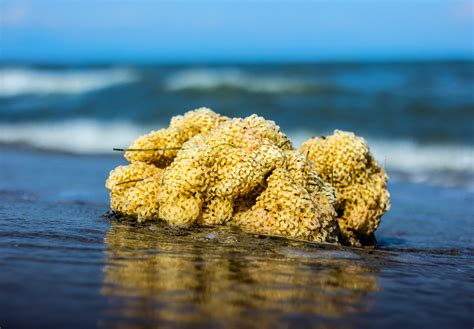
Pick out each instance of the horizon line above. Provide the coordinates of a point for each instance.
(221, 61)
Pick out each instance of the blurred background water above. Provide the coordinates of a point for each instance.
(417, 116)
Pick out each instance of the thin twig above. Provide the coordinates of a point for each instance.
(162, 148)
(150, 149)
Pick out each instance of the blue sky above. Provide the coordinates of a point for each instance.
(169, 31)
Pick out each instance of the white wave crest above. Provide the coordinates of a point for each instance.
(210, 79)
(408, 156)
(78, 136)
(19, 81)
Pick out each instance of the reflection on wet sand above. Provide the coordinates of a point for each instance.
(159, 277)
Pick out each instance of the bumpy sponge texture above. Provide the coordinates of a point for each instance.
(295, 203)
(161, 146)
(133, 190)
(345, 161)
(212, 170)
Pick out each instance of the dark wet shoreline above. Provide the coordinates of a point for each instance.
(65, 265)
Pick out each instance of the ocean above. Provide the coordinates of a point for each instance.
(63, 264)
(417, 117)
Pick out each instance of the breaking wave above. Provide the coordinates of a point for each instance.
(20, 81)
(213, 79)
(78, 136)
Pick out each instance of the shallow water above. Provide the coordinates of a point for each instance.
(65, 265)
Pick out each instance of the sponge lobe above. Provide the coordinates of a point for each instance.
(345, 161)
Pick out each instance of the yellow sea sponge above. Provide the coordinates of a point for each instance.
(208, 169)
(295, 203)
(161, 146)
(345, 161)
(212, 170)
(133, 190)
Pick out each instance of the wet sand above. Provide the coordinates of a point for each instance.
(66, 265)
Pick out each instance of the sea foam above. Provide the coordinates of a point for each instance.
(75, 136)
(20, 81)
(213, 79)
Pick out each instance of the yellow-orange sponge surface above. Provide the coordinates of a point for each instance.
(345, 161)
